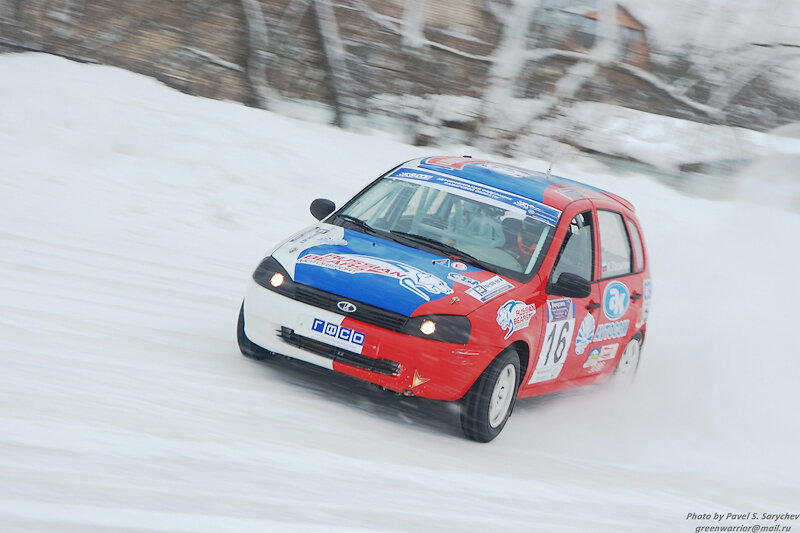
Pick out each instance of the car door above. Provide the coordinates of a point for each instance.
(566, 320)
(620, 289)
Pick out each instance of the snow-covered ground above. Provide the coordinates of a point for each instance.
(131, 217)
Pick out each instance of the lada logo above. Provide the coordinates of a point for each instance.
(347, 307)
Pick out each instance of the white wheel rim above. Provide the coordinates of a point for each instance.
(503, 393)
(629, 361)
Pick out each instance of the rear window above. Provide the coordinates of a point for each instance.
(615, 247)
(636, 240)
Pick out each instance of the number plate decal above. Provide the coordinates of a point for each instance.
(557, 340)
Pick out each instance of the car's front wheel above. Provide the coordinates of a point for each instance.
(488, 404)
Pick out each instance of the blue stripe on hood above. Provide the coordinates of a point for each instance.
(377, 271)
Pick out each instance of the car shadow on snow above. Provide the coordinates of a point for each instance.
(428, 415)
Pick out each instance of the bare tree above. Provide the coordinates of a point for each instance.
(258, 44)
(502, 114)
(336, 59)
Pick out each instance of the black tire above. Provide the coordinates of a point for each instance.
(487, 406)
(248, 348)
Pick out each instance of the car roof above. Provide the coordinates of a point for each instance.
(541, 187)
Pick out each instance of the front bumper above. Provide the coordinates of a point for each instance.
(399, 362)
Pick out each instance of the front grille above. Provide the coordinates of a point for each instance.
(364, 312)
(381, 366)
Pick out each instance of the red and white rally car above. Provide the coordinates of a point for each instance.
(457, 279)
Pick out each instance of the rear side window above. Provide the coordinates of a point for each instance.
(615, 247)
(636, 240)
(577, 252)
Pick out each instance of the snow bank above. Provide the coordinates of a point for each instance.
(666, 142)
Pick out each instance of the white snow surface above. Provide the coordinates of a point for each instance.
(131, 217)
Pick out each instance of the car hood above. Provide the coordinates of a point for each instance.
(386, 274)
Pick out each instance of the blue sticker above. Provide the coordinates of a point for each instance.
(616, 299)
(340, 333)
(611, 330)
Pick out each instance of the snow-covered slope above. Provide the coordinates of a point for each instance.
(131, 217)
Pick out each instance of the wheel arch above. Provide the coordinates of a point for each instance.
(523, 351)
(642, 333)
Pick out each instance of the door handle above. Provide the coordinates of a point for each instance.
(636, 295)
(592, 306)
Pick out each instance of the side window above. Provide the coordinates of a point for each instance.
(615, 248)
(636, 240)
(577, 251)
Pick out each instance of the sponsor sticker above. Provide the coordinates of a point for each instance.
(319, 235)
(490, 288)
(415, 280)
(609, 351)
(464, 280)
(595, 368)
(594, 357)
(337, 335)
(413, 175)
(561, 309)
(616, 299)
(598, 357)
(487, 193)
(557, 340)
(456, 265)
(644, 311)
(514, 315)
(647, 290)
(611, 330)
(585, 334)
(418, 380)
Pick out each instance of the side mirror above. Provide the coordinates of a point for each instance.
(571, 285)
(321, 208)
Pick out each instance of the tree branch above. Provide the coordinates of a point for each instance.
(384, 21)
(215, 59)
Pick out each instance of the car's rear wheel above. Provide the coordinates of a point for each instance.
(248, 348)
(629, 361)
(488, 404)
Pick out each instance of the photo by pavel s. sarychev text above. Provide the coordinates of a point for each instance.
(752, 522)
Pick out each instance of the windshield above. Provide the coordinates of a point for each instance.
(493, 235)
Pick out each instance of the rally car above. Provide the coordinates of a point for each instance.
(458, 279)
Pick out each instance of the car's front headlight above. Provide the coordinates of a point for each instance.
(444, 328)
(271, 275)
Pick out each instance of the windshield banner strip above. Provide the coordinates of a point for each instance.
(531, 208)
